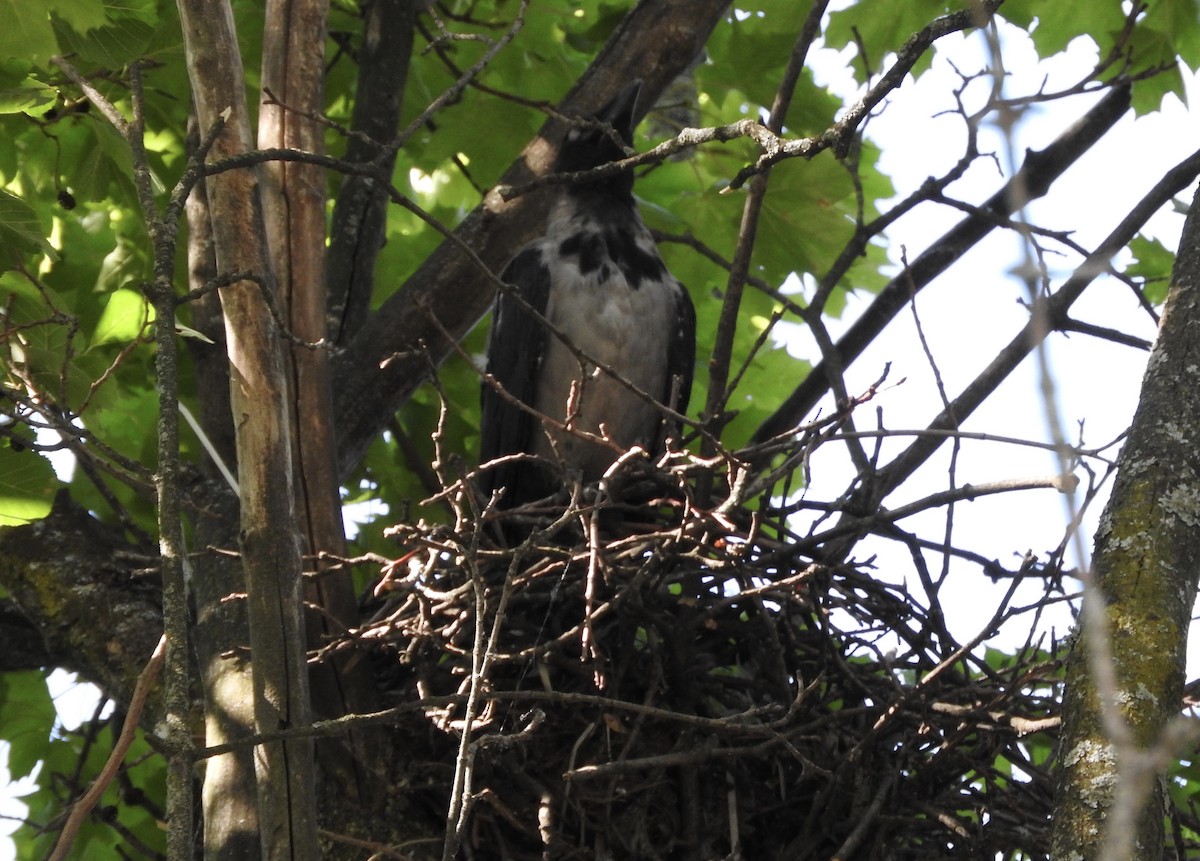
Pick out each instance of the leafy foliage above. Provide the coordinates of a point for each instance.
(1152, 266)
(25, 729)
(77, 359)
(128, 814)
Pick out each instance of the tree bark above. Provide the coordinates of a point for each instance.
(294, 207)
(228, 797)
(67, 572)
(360, 213)
(1145, 568)
(259, 397)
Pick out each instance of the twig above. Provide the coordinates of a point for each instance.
(137, 703)
(1039, 171)
(866, 822)
(464, 80)
(163, 236)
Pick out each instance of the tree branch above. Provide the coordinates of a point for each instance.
(67, 571)
(1125, 676)
(722, 354)
(1176, 180)
(1034, 179)
(360, 212)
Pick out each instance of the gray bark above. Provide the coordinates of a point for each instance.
(1145, 568)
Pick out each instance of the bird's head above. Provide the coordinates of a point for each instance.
(589, 146)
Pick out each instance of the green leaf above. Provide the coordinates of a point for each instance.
(146, 11)
(1180, 19)
(1055, 25)
(125, 34)
(1152, 264)
(125, 416)
(26, 31)
(1154, 51)
(16, 285)
(95, 163)
(877, 32)
(748, 56)
(781, 16)
(83, 15)
(20, 229)
(21, 93)
(27, 485)
(26, 716)
(599, 26)
(124, 319)
(74, 758)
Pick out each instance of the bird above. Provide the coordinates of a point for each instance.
(597, 276)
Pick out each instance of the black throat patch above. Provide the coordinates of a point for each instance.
(601, 250)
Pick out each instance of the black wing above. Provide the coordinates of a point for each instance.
(681, 353)
(515, 350)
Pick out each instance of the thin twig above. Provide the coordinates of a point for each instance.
(137, 704)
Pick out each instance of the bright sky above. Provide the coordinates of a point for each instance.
(974, 309)
(969, 313)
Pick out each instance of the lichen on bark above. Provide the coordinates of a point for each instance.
(1144, 571)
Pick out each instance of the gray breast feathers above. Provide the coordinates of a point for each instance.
(624, 324)
(598, 279)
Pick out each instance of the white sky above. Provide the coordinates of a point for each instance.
(973, 309)
(970, 311)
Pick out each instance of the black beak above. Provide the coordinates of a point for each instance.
(621, 112)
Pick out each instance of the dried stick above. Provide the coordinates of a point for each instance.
(137, 704)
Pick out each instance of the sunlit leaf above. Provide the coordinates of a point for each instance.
(124, 35)
(125, 317)
(1152, 263)
(1055, 25)
(877, 33)
(20, 92)
(26, 31)
(27, 484)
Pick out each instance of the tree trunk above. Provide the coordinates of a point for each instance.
(259, 397)
(1145, 568)
(228, 799)
(294, 206)
(360, 214)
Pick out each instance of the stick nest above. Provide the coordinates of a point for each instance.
(668, 681)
